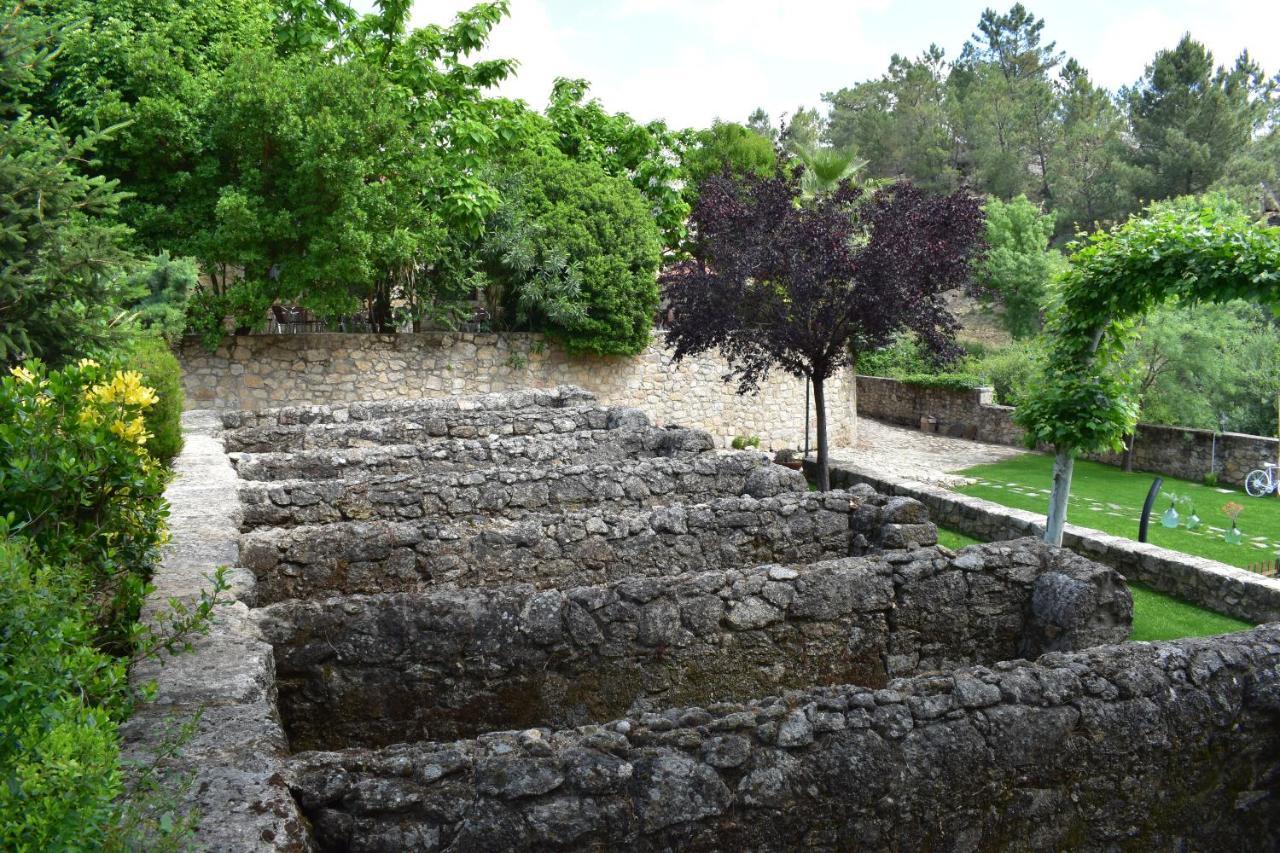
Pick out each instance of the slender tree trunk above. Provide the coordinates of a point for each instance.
(820, 411)
(1063, 464)
(1128, 451)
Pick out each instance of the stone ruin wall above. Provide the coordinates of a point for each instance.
(673, 674)
(457, 663)
(262, 371)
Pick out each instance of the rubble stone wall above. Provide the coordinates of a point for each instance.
(261, 371)
(457, 663)
(582, 547)
(514, 492)
(443, 455)
(1137, 746)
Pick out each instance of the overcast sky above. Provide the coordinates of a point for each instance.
(690, 61)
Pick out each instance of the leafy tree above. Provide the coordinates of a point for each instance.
(899, 122)
(825, 169)
(808, 287)
(62, 248)
(1019, 265)
(724, 147)
(1189, 120)
(760, 122)
(585, 267)
(643, 154)
(1113, 279)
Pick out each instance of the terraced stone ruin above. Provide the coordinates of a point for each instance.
(527, 621)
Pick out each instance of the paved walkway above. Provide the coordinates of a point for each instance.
(899, 452)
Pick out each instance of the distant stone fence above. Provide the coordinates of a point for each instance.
(1174, 451)
(260, 371)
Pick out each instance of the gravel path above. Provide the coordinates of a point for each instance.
(904, 453)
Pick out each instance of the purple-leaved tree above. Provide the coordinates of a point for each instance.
(805, 286)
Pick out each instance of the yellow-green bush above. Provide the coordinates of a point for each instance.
(81, 523)
(161, 372)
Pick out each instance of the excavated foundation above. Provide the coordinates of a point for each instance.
(530, 622)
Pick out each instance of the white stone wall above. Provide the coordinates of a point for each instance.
(258, 371)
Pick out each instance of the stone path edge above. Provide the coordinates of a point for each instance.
(236, 757)
(1217, 586)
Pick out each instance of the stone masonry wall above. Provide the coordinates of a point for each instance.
(582, 547)
(514, 492)
(1138, 746)
(1217, 586)
(448, 455)
(260, 371)
(457, 663)
(1173, 451)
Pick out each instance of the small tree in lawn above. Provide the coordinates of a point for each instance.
(1115, 278)
(806, 286)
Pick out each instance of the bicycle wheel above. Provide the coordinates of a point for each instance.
(1258, 483)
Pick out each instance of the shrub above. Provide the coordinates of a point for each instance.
(160, 370)
(742, 442)
(79, 486)
(157, 292)
(904, 357)
(947, 381)
(1014, 371)
(60, 701)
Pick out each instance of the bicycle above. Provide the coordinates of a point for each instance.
(1262, 481)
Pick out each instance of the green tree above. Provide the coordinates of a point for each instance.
(591, 253)
(61, 246)
(1189, 120)
(1115, 278)
(644, 154)
(1018, 266)
(1094, 181)
(725, 146)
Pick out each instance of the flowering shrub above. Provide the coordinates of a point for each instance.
(78, 485)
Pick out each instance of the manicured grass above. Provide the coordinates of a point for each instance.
(1156, 616)
(1108, 499)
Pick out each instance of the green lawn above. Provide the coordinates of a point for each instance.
(1108, 499)
(1156, 616)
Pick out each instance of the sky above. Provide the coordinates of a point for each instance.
(692, 61)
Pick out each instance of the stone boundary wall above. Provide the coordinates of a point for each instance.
(441, 456)
(259, 371)
(1208, 583)
(561, 397)
(1173, 451)
(583, 547)
(236, 759)
(422, 426)
(504, 492)
(368, 671)
(1143, 746)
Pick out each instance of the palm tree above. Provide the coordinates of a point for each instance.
(825, 168)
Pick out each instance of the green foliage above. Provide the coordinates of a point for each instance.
(725, 146)
(79, 485)
(156, 295)
(905, 356)
(161, 372)
(742, 442)
(643, 154)
(60, 247)
(1018, 265)
(1014, 372)
(945, 381)
(603, 225)
(60, 703)
(1171, 253)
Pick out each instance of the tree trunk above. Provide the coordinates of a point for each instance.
(1128, 452)
(820, 412)
(853, 403)
(1063, 464)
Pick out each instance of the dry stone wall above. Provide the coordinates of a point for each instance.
(441, 456)
(514, 492)
(457, 663)
(1135, 746)
(579, 547)
(1173, 451)
(261, 371)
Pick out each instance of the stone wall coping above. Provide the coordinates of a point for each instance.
(236, 759)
